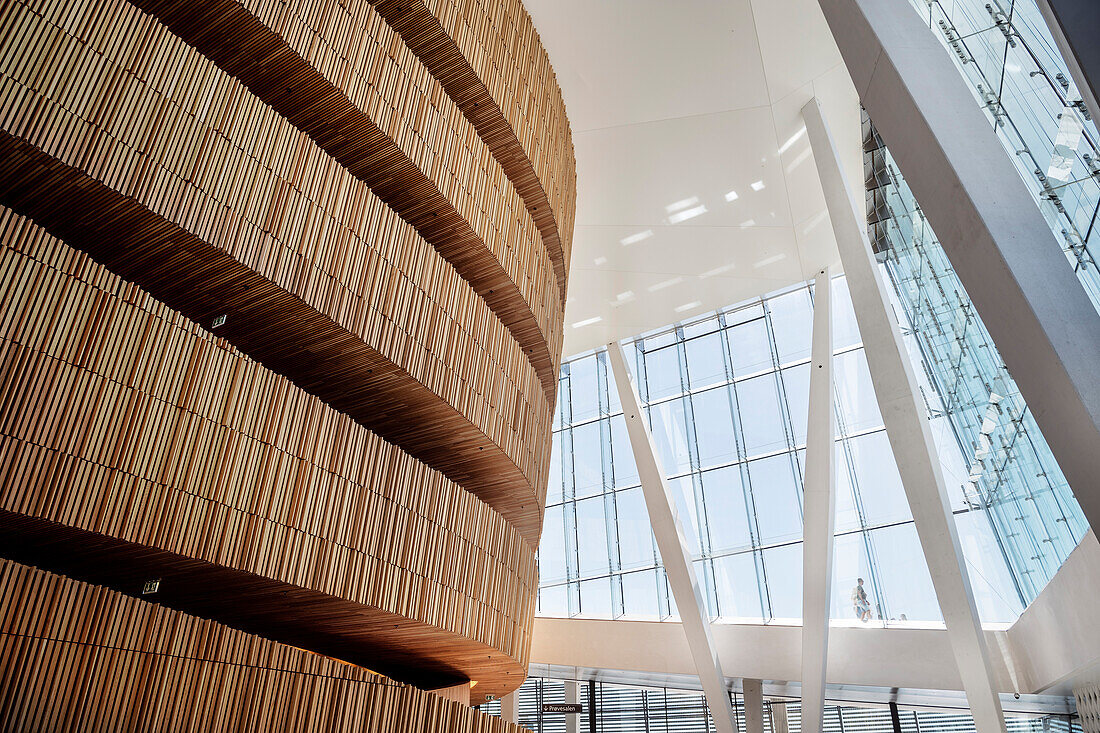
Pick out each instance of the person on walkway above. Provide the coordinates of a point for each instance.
(860, 604)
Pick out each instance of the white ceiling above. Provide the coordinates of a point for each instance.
(695, 185)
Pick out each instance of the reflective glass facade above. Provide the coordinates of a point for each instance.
(1004, 50)
(628, 709)
(726, 398)
(1012, 474)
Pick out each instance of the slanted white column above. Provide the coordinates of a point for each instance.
(999, 244)
(908, 430)
(572, 696)
(673, 547)
(509, 707)
(819, 492)
(753, 692)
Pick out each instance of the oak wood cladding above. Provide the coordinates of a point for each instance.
(203, 465)
(132, 665)
(281, 301)
(542, 165)
(353, 266)
(337, 102)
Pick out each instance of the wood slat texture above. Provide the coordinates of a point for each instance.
(541, 165)
(338, 100)
(281, 300)
(451, 398)
(77, 657)
(202, 464)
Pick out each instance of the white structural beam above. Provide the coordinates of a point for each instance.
(908, 430)
(509, 707)
(673, 547)
(999, 244)
(819, 511)
(572, 696)
(753, 693)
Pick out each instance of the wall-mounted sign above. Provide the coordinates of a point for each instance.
(151, 586)
(557, 707)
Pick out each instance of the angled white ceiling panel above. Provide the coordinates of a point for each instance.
(695, 185)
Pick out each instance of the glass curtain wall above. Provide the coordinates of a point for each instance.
(629, 709)
(1012, 475)
(1005, 52)
(726, 398)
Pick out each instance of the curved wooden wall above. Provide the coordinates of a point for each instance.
(162, 670)
(110, 396)
(281, 318)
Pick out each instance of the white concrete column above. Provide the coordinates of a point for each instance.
(819, 492)
(509, 707)
(753, 692)
(908, 431)
(999, 244)
(673, 547)
(572, 696)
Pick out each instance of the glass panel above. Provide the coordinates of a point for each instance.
(587, 460)
(903, 576)
(592, 550)
(727, 516)
(783, 566)
(750, 348)
(626, 471)
(553, 601)
(738, 587)
(776, 497)
(845, 329)
(706, 361)
(762, 421)
(851, 564)
(796, 386)
(857, 407)
(596, 598)
(714, 427)
(552, 547)
(662, 371)
(553, 485)
(792, 323)
(668, 425)
(683, 493)
(994, 589)
(584, 389)
(880, 491)
(640, 595)
(635, 535)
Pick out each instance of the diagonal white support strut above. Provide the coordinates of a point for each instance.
(908, 430)
(819, 495)
(673, 547)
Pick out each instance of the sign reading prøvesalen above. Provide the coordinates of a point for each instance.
(557, 707)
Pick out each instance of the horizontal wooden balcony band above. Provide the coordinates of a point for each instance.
(135, 664)
(409, 652)
(268, 323)
(227, 33)
(423, 33)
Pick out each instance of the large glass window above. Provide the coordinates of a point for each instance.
(726, 399)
